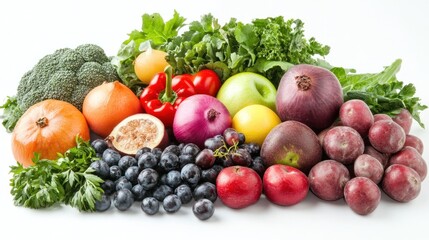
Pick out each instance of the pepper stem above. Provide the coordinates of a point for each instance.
(169, 95)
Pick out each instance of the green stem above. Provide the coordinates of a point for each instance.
(169, 95)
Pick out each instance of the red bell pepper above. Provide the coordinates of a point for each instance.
(164, 94)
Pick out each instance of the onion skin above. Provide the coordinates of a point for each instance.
(309, 94)
(200, 117)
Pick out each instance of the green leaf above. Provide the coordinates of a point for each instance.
(71, 178)
(35, 186)
(208, 24)
(92, 178)
(157, 31)
(408, 91)
(245, 34)
(88, 193)
(264, 65)
(11, 113)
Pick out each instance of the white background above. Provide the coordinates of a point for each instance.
(365, 35)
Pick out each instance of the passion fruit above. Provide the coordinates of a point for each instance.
(138, 131)
(292, 143)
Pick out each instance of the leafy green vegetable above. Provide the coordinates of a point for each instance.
(68, 179)
(383, 92)
(153, 33)
(267, 46)
(11, 113)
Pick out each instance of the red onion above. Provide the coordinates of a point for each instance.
(200, 117)
(309, 94)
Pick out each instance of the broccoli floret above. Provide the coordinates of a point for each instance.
(66, 74)
(89, 73)
(43, 70)
(111, 71)
(26, 101)
(75, 97)
(61, 85)
(92, 53)
(25, 87)
(71, 60)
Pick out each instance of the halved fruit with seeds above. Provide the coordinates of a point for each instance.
(138, 131)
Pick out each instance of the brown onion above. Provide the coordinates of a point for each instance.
(309, 94)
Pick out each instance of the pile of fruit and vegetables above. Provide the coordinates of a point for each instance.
(187, 113)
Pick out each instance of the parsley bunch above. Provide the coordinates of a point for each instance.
(68, 180)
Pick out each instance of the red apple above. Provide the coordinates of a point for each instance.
(238, 186)
(285, 185)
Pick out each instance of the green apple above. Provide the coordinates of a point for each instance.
(247, 88)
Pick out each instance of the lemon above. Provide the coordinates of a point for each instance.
(255, 122)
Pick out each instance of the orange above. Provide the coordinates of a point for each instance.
(255, 122)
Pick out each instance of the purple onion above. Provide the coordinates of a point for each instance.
(309, 94)
(200, 117)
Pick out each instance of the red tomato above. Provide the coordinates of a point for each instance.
(207, 82)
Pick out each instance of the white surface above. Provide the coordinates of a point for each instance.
(366, 35)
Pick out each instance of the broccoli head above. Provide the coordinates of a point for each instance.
(66, 74)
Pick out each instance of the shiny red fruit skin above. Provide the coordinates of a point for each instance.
(285, 185)
(238, 186)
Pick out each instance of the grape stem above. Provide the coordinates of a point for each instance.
(219, 153)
